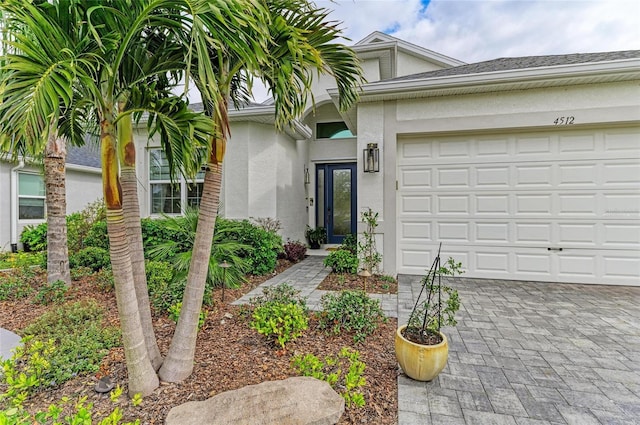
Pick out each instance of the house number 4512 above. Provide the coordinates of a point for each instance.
(564, 121)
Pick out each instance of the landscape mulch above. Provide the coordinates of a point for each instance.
(229, 355)
(375, 284)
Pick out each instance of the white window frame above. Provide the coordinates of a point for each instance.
(180, 181)
(43, 197)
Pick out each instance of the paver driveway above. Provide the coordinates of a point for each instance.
(531, 353)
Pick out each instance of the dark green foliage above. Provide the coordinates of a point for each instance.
(92, 257)
(350, 243)
(164, 291)
(104, 279)
(282, 293)
(342, 261)
(79, 337)
(158, 231)
(51, 293)
(80, 272)
(13, 286)
(177, 250)
(34, 237)
(265, 246)
(295, 251)
(97, 235)
(350, 311)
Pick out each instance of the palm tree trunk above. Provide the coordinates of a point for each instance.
(55, 183)
(131, 209)
(178, 364)
(142, 376)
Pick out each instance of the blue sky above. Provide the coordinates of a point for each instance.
(476, 30)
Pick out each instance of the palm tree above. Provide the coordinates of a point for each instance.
(302, 43)
(106, 35)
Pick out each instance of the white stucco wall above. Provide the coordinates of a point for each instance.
(410, 64)
(83, 187)
(591, 106)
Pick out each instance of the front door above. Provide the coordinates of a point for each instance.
(336, 195)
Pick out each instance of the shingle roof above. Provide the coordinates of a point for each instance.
(87, 155)
(507, 64)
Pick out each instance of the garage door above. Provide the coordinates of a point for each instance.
(558, 206)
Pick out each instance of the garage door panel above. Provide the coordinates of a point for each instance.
(583, 175)
(492, 177)
(416, 179)
(416, 204)
(530, 204)
(416, 231)
(534, 175)
(583, 234)
(453, 204)
(621, 235)
(581, 204)
(493, 205)
(506, 204)
(529, 264)
(622, 174)
(527, 233)
(492, 232)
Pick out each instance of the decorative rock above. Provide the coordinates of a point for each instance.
(8, 341)
(293, 401)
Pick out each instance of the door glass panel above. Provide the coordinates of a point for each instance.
(341, 202)
(320, 199)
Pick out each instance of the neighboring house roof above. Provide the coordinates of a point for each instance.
(87, 155)
(526, 62)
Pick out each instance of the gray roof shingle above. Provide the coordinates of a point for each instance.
(87, 155)
(507, 64)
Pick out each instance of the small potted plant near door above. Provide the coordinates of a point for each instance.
(421, 349)
(316, 236)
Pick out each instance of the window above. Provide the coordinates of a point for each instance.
(167, 197)
(332, 130)
(31, 196)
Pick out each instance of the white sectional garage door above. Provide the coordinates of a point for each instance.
(559, 206)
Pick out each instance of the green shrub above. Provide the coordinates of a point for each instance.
(14, 286)
(283, 322)
(331, 371)
(80, 272)
(282, 293)
(26, 370)
(53, 292)
(163, 290)
(34, 237)
(159, 231)
(342, 261)
(92, 257)
(79, 338)
(263, 246)
(103, 279)
(350, 243)
(97, 235)
(174, 314)
(350, 311)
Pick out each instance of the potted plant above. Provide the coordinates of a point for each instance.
(316, 236)
(421, 349)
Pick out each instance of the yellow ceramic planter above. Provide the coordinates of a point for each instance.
(421, 362)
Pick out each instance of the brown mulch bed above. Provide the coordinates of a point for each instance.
(229, 355)
(375, 284)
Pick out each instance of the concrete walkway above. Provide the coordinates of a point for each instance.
(8, 341)
(523, 353)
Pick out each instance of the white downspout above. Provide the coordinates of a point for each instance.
(14, 205)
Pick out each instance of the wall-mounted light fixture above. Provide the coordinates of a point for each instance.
(307, 177)
(371, 158)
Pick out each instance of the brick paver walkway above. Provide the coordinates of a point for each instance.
(523, 353)
(528, 353)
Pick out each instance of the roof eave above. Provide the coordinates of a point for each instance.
(611, 71)
(267, 115)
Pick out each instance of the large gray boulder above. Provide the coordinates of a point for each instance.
(293, 401)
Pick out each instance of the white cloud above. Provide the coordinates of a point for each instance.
(480, 30)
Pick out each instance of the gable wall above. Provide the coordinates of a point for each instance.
(409, 64)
